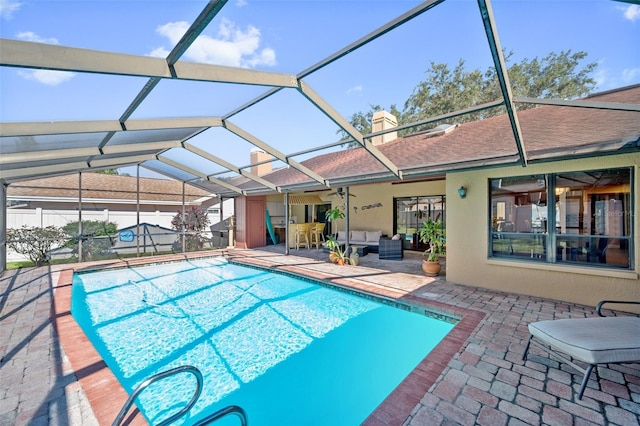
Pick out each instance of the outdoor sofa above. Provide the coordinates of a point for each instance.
(370, 239)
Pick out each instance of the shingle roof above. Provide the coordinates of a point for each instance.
(548, 132)
(103, 186)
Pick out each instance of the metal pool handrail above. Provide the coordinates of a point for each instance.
(186, 369)
(231, 409)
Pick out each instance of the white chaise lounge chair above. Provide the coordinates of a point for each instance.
(597, 340)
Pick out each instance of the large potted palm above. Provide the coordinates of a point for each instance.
(336, 255)
(433, 234)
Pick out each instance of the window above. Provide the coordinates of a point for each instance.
(574, 218)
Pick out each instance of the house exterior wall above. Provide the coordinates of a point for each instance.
(468, 259)
(374, 203)
(250, 226)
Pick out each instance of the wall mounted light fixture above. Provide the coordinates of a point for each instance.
(462, 192)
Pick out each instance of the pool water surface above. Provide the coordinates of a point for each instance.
(287, 350)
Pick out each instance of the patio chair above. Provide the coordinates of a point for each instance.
(390, 249)
(593, 341)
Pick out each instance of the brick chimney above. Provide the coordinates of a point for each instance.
(256, 156)
(382, 120)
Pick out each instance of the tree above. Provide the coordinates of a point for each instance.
(108, 172)
(192, 223)
(557, 75)
(362, 123)
(35, 243)
(95, 237)
(111, 172)
(445, 90)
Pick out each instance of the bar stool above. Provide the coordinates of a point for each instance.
(302, 235)
(317, 235)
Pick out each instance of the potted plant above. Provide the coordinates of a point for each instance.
(433, 234)
(334, 214)
(336, 255)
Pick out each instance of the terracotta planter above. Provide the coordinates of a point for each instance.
(431, 268)
(333, 257)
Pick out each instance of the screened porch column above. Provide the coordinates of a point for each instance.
(286, 224)
(3, 228)
(80, 217)
(184, 227)
(138, 211)
(346, 219)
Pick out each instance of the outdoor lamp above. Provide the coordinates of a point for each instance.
(462, 192)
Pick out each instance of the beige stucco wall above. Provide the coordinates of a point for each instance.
(370, 216)
(467, 243)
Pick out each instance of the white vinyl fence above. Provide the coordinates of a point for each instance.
(17, 218)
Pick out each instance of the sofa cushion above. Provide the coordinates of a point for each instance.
(358, 236)
(373, 236)
(341, 236)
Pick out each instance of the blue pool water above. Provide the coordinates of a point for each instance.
(287, 350)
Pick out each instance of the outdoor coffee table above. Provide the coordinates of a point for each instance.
(361, 250)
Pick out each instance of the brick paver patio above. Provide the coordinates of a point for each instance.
(475, 376)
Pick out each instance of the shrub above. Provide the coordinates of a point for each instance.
(35, 243)
(95, 237)
(193, 222)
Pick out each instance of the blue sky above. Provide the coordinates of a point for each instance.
(289, 36)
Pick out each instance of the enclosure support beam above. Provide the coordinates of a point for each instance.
(274, 152)
(333, 115)
(286, 223)
(346, 219)
(3, 227)
(183, 221)
(229, 166)
(80, 217)
(138, 210)
(200, 174)
(501, 73)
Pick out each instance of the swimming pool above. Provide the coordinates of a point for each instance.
(287, 350)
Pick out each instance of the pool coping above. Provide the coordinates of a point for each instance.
(106, 396)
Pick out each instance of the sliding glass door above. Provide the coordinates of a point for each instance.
(410, 212)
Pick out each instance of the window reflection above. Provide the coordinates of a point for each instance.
(589, 222)
(411, 212)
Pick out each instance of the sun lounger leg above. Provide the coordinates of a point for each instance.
(585, 380)
(526, 350)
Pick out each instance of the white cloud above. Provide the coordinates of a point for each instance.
(232, 46)
(355, 89)
(241, 3)
(631, 12)
(50, 78)
(31, 36)
(630, 75)
(8, 7)
(160, 52)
